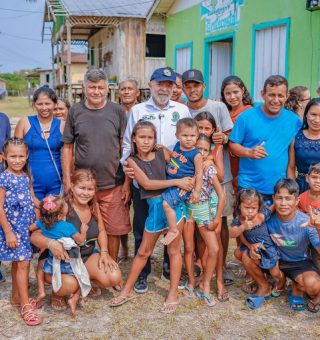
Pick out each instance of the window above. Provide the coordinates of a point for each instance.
(48, 78)
(156, 45)
(183, 59)
(220, 65)
(269, 56)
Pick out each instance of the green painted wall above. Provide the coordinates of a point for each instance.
(304, 38)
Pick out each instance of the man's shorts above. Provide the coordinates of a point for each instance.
(294, 269)
(199, 213)
(114, 213)
(156, 220)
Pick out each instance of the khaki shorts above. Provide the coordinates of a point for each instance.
(230, 197)
(114, 213)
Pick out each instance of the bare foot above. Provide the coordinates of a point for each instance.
(72, 302)
(58, 303)
(15, 302)
(171, 235)
(39, 299)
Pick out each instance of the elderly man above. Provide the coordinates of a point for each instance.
(94, 131)
(128, 93)
(164, 114)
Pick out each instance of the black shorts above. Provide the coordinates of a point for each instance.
(294, 269)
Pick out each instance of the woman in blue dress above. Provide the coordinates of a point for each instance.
(305, 149)
(42, 133)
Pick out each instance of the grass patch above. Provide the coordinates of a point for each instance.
(16, 107)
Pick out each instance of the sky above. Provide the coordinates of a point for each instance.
(20, 36)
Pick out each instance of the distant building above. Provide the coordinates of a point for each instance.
(251, 39)
(125, 38)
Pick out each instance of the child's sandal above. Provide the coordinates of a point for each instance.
(29, 316)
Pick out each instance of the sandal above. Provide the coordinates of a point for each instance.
(29, 316)
(36, 304)
(313, 307)
(223, 296)
(296, 303)
(209, 299)
(188, 291)
(121, 300)
(169, 307)
(254, 302)
(228, 278)
(276, 292)
(58, 303)
(250, 288)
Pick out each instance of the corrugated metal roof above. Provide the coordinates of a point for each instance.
(109, 8)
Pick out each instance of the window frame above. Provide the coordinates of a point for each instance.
(180, 46)
(262, 26)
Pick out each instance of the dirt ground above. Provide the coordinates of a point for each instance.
(140, 318)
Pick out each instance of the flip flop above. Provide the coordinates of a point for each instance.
(228, 278)
(207, 297)
(121, 300)
(254, 302)
(276, 292)
(313, 307)
(296, 303)
(169, 307)
(188, 291)
(223, 296)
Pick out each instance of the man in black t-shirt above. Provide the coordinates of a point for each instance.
(93, 137)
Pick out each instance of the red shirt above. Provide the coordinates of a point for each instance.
(306, 202)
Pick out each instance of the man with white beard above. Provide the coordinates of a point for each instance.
(163, 113)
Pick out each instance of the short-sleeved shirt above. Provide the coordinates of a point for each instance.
(165, 121)
(305, 202)
(5, 132)
(224, 123)
(59, 230)
(251, 129)
(293, 240)
(97, 136)
(181, 163)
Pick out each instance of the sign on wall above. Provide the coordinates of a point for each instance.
(220, 14)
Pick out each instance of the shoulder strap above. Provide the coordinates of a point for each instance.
(52, 158)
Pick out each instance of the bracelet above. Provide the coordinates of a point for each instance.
(50, 243)
(104, 251)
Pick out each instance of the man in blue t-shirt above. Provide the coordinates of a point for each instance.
(293, 232)
(261, 138)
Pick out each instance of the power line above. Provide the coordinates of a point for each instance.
(19, 37)
(20, 10)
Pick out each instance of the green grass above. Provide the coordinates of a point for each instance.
(16, 107)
